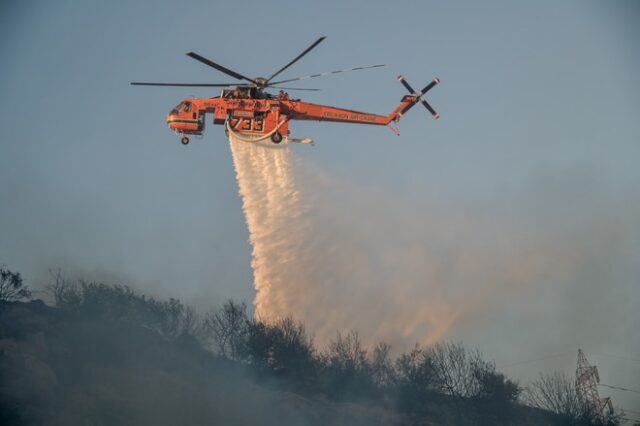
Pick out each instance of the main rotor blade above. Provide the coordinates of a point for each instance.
(325, 73)
(295, 88)
(137, 83)
(219, 67)
(317, 42)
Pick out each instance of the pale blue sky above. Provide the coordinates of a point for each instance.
(538, 100)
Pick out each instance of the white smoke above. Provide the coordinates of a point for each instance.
(341, 257)
(326, 266)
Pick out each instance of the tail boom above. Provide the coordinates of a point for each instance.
(298, 110)
(308, 111)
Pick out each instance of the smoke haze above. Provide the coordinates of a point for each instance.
(552, 268)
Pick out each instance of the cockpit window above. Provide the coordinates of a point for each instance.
(182, 106)
(174, 111)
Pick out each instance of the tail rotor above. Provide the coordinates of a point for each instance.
(418, 96)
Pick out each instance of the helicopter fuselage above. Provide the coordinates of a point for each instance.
(268, 114)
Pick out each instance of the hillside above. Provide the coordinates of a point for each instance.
(105, 356)
(60, 371)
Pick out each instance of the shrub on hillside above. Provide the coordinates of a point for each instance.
(12, 286)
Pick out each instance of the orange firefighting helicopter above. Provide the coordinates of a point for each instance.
(253, 114)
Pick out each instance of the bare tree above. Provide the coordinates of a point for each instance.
(456, 368)
(293, 334)
(346, 368)
(416, 370)
(416, 381)
(65, 293)
(172, 312)
(190, 321)
(347, 353)
(281, 349)
(382, 370)
(556, 393)
(227, 326)
(12, 287)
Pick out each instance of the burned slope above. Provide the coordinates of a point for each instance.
(105, 355)
(138, 365)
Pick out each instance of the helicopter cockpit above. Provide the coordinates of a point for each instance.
(184, 106)
(185, 118)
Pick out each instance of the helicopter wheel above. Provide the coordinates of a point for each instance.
(184, 140)
(276, 137)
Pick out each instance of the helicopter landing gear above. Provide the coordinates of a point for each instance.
(276, 137)
(184, 140)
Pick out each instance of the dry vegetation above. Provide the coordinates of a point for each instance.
(106, 355)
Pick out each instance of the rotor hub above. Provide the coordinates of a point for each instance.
(261, 81)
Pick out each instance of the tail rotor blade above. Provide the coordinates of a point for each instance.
(429, 86)
(406, 85)
(431, 110)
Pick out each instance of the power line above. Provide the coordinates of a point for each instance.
(619, 388)
(630, 418)
(534, 360)
(542, 358)
(627, 358)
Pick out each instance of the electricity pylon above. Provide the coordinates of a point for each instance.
(587, 379)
